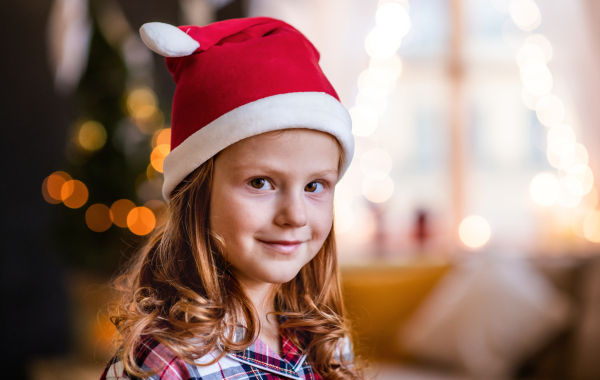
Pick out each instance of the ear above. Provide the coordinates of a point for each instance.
(167, 40)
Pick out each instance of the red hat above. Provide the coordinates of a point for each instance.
(239, 78)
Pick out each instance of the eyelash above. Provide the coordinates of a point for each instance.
(266, 181)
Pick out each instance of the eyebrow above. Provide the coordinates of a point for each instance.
(319, 173)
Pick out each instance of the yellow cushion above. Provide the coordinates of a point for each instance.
(380, 297)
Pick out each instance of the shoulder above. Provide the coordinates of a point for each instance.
(153, 356)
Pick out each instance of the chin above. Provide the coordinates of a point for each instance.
(281, 277)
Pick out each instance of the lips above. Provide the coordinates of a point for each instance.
(283, 246)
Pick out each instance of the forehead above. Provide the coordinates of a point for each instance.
(286, 149)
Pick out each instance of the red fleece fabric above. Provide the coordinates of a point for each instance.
(240, 61)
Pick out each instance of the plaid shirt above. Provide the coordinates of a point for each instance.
(257, 362)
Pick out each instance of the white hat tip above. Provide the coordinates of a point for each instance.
(167, 40)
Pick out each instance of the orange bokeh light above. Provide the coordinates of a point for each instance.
(53, 185)
(119, 211)
(74, 193)
(159, 209)
(141, 221)
(158, 156)
(97, 217)
(46, 194)
(162, 136)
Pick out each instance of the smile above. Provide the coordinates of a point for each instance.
(283, 246)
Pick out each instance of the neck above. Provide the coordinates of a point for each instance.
(262, 295)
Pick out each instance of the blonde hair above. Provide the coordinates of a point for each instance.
(180, 290)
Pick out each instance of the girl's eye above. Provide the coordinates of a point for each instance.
(314, 187)
(261, 184)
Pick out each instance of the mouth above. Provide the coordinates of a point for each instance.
(283, 246)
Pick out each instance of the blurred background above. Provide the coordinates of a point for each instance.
(468, 223)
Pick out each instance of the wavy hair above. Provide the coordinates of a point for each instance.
(180, 290)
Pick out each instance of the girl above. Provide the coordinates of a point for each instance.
(242, 281)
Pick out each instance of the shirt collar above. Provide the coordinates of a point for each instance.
(260, 355)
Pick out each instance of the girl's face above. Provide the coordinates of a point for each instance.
(272, 202)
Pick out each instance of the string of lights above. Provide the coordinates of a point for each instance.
(572, 186)
(91, 136)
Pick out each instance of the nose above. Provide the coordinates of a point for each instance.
(292, 210)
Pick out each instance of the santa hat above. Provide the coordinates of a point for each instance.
(239, 78)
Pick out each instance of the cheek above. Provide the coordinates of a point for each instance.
(321, 222)
(233, 217)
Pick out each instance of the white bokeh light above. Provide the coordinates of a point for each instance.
(378, 187)
(369, 78)
(560, 137)
(544, 189)
(529, 99)
(579, 179)
(393, 18)
(474, 231)
(525, 14)
(550, 110)
(543, 43)
(565, 197)
(591, 226)
(364, 120)
(536, 77)
(375, 160)
(393, 65)
(531, 51)
(381, 44)
(573, 154)
(374, 97)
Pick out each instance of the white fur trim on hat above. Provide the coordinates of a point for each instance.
(311, 110)
(167, 40)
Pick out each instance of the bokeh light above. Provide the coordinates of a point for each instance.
(373, 97)
(139, 100)
(364, 120)
(344, 218)
(74, 194)
(119, 211)
(162, 136)
(573, 154)
(525, 14)
(97, 217)
(550, 110)
(560, 137)
(530, 52)
(158, 156)
(529, 99)
(544, 189)
(375, 160)
(536, 77)
(393, 18)
(142, 105)
(381, 44)
(159, 209)
(386, 71)
(46, 195)
(52, 186)
(579, 179)
(565, 197)
(591, 226)
(474, 231)
(543, 43)
(371, 78)
(141, 221)
(150, 171)
(378, 187)
(91, 136)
